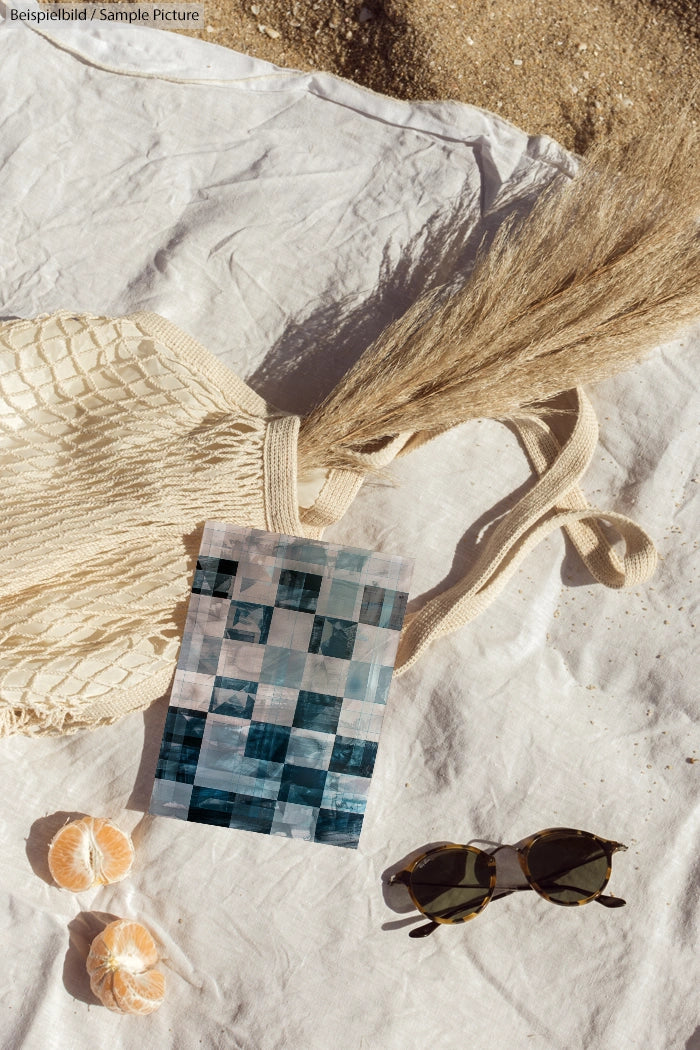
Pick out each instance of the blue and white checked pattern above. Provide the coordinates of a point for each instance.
(279, 693)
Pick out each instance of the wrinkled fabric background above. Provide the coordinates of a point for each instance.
(282, 219)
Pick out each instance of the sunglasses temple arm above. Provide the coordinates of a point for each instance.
(424, 931)
(606, 900)
(430, 927)
(402, 878)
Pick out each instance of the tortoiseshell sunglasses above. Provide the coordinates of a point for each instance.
(453, 883)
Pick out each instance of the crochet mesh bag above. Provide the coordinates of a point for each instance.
(119, 437)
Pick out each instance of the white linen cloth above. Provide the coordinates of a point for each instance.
(282, 219)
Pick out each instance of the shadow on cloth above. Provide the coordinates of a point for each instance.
(313, 353)
(468, 549)
(153, 723)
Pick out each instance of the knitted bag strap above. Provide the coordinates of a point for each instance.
(336, 493)
(601, 559)
(555, 501)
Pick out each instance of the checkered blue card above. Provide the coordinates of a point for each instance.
(279, 693)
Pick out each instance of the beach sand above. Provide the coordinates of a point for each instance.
(574, 70)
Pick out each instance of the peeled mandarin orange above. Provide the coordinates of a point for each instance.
(120, 965)
(89, 852)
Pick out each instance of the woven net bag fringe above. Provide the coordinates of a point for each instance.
(119, 437)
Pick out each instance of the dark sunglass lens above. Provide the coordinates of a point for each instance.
(451, 884)
(568, 868)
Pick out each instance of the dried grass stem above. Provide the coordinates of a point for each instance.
(605, 267)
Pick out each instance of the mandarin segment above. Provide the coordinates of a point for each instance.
(69, 858)
(89, 852)
(120, 965)
(130, 943)
(138, 993)
(117, 853)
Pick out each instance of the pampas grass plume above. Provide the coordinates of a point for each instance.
(605, 267)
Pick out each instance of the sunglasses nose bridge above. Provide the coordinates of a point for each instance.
(510, 868)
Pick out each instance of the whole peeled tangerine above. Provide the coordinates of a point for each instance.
(121, 969)
(90, 852)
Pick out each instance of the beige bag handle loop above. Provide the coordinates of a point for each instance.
(337, 492)
(601, 559)
(341, 487)
(555, 501)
